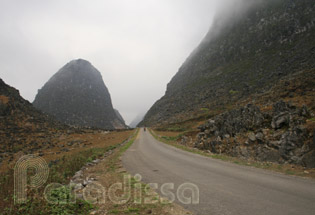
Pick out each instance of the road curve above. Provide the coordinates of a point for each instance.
(225, 188)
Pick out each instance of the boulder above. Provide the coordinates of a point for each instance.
(283, 119)
(252, 137)
(308, 160)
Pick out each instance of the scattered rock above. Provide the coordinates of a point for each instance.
(252, 137)
(276, 136)
(96, 161)
(283, 119)
(309, 159)
(260, 137)
(184, 140)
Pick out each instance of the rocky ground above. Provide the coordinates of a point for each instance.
(284, 135)
(273, 126)
(277, 125)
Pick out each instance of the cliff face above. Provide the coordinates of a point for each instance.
(269, 42)
(77, 95)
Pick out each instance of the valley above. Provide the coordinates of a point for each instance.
(231, 132)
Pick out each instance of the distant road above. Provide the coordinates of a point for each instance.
(225, 188)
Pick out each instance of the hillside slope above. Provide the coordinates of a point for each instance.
(77, 95)
(121, 119)
(24, 129)
(234, 61)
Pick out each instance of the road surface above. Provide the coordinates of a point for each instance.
(224, 188)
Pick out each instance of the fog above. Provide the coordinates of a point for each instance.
(137, 45)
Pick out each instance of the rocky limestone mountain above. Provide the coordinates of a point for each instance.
(275, 126)
(121, 119)
(24, 129)
(77, 95)
(239, 58)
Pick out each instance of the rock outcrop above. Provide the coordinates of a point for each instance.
(77, 95)
(272, 40)
(284, 135)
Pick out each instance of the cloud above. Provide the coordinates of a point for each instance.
(137, 45)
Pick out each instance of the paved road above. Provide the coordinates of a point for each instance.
(225, 188)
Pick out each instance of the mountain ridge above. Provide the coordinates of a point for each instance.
(77, 95)
(272, 41)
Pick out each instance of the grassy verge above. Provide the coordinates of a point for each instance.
(122, 149)
(173, 142)
(280, 168)
(110, 172)
(59, 172)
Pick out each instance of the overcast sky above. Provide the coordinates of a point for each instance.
(137, 45)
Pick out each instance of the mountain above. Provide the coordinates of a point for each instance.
(121, 119)
(239, 57)
(17, 112)
(137, 120)
(77, 95)
(24, 129)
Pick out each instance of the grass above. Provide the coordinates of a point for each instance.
(114, 211)
(171, 138)
(233, 92)
(108, 174)
(172, 142)
(133, 210)
(122, 150)
(280, 168)
(60, 172)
